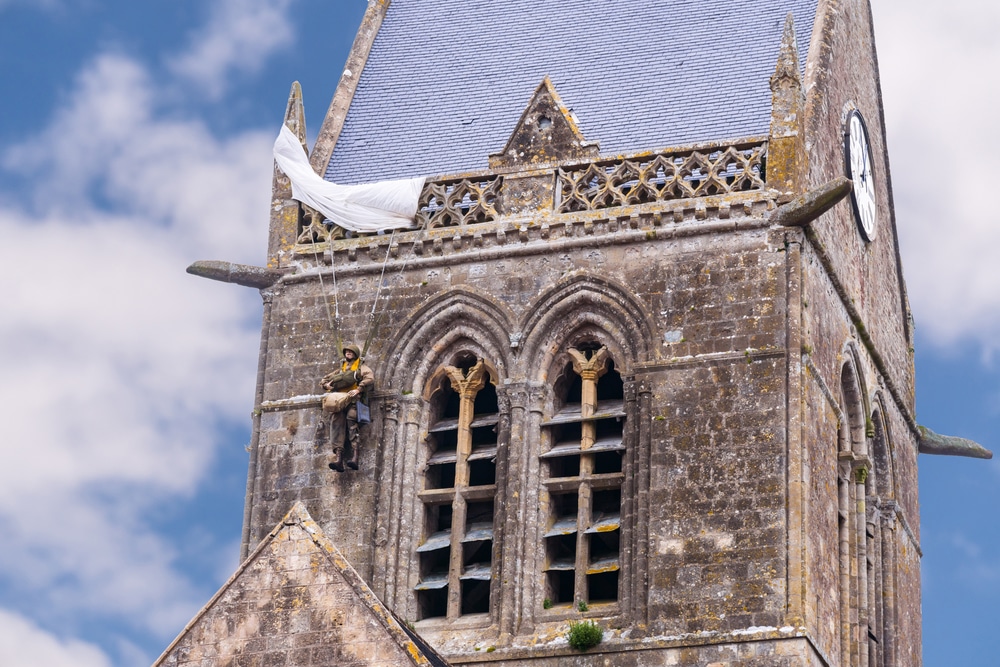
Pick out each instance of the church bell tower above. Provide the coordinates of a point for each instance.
(643, 358)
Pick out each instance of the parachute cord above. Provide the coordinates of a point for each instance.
(402, 268)
(378, 293)
(333, 323)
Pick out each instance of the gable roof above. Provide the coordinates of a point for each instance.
(297, 601)
(445, 82)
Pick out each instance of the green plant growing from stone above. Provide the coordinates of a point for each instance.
(582, 606)
(583, 635)
(547, 603)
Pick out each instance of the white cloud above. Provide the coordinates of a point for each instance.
(119, 369)
(972, 565)
(240, 36)
(24, 644)
(938, 63)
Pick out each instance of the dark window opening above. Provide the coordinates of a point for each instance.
(567, 433)
(475, 596)
(610, 386)
(610, 428)
(465, 361)
(486, 401)
(449, 401)
(572, 391)
(607, 502)
(564, 466)
(432, 604)
(434, 564)
(562, 551)
(482, 472)
(459, 456)
(478, 513)
(441, 476)
(565, 506)
(477, 553)
(560, 587)
(484, 435)
(602, 587)
(607, 462)
(438, 518)
(443, 441)
(604, 546)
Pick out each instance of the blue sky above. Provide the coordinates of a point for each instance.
(135, 138)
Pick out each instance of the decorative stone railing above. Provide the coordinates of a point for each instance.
(682, 173)
(461, 201)
(651, 178)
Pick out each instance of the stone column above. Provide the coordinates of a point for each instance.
(519, 551)
(404, 510)
(466, 385)
(387, 474)
(590, 370)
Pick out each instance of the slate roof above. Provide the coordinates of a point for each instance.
(446, 81)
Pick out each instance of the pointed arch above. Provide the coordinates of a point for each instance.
(882, 451)
(586, 306)
(882, 549)
(446, 360)
(458, 318)
(854, 403)
(852, 450)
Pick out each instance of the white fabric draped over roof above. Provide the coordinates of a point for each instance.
(371, 207)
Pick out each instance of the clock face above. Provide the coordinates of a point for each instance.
(859, 170)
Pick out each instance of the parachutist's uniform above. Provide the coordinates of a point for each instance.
(356, 380)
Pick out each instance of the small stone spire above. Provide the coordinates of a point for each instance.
(295, 114)
(285, 211)
(788, 58)
(787, 162)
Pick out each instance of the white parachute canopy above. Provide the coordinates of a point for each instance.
(370, 207)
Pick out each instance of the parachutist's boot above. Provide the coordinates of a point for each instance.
(337, 461)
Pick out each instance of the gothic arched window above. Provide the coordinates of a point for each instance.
(459, 489)
(864, 487)
(582, 478)
(880, 515)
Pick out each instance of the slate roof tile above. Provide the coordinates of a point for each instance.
(446, 82)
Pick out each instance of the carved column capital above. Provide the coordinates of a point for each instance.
(630, 388)
(390, 407)
(467, 383)
(594, 367)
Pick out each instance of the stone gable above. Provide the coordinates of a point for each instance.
(296, 603)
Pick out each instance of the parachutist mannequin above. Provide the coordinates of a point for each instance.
(339, 423)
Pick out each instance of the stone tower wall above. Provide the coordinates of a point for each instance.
(707, 296)
(855, 312)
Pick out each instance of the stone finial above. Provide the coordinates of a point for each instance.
(295, 114)
(787, 68)
(787, 162)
